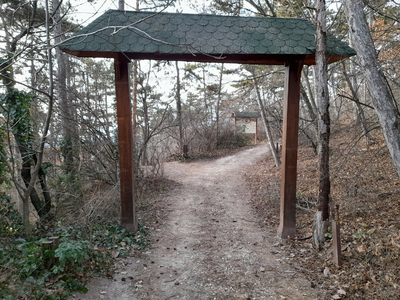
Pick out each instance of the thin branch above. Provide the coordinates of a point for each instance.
(356, 101)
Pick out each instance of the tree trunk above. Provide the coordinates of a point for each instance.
(26, 172)
(67, 124)
(24, 138)
(322, 95)
(309, 89)
(265, 120)
(146, 130)
(310, 109)
(359, 109)
(135, 85)
(179, 106)
(380, 94)
(219, 97)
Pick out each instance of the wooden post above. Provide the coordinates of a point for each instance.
(291, 100)
(255, 138)
(125, 142)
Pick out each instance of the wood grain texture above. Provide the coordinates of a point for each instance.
(125, 142)
(287, 226)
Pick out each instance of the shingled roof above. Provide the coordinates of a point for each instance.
(247, 114)
(149, 35)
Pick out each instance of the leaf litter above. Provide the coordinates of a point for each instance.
(366, 186)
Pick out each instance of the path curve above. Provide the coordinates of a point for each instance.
(209, 245)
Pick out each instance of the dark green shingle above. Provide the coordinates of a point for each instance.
(246, 114)
(191, 34)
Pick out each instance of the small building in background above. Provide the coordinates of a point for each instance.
(246, 122)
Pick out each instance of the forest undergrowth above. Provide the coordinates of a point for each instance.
(32, 266)
(365, 185)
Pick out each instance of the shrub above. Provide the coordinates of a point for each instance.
(231, 140)
(10, 218)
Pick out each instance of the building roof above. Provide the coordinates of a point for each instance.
(149, 35)
(246, 114)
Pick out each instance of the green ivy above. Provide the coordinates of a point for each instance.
(16, 107)
(35, 270)
(71, 255)
(3, 156)
(35, 264)
(10, 218)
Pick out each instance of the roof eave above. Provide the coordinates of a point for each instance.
(267, 59)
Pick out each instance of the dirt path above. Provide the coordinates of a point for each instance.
(209, 245)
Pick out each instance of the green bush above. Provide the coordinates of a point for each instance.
(37, 270)
(32, 264)
(10, 218)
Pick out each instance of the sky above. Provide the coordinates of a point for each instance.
(86, 11)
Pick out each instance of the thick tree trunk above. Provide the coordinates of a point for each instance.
(322, 95)
(29, 158)
(380, 94)
(26, 175)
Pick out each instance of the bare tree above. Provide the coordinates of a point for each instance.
(264, 117)
(17, 104)
(322, 95)
(381, 97)
(179, 106)
(67, 124)
(359, 110)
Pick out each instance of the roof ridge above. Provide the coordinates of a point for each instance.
(204, 14)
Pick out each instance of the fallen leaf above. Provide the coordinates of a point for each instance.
(326, 272)
(341, 292)
(361, 248)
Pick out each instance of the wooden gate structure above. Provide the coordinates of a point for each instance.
(127, 35)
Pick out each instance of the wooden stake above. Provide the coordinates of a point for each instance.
(255, 138)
